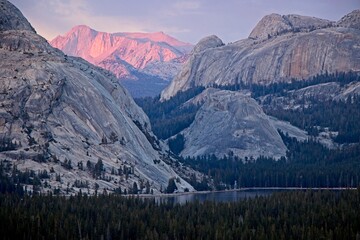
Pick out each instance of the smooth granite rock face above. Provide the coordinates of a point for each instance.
(274, 24)
(207, 43)
(293, 47)
(64, 114)
(231, 123)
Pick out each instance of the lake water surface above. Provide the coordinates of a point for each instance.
(223, 196)
(229, 195)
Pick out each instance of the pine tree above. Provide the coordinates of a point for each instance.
(171, 186)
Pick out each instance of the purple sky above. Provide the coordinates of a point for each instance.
(187, 20)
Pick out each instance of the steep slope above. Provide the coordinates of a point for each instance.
(63, 115)
(231, 122)
(279, 48)
(154, 55)
(12, 19)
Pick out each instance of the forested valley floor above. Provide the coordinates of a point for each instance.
(285, 215)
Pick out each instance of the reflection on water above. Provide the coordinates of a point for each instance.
(228, 196)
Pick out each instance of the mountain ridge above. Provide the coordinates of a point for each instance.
(145, 58)
(275, 51)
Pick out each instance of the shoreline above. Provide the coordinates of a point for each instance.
(234, 190)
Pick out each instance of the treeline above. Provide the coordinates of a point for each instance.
(280, 88)
(177, 143)
(167, 118)
(307, 164)
(286, 215)
(13, 180)
(7, 145)
(340, 116)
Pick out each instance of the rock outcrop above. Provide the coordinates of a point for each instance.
(63, 115)
(280, 48)
(231, 123)
(274, 24)
(207, 43)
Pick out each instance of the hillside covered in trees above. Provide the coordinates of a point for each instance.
(306, 164)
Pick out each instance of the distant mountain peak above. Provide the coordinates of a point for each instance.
(129, 55)
(77, 30)
(137, 49)
(157, 37)
(81, 26)
(80, 29)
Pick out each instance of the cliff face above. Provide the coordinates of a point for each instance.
(62, 115)
(279, 48)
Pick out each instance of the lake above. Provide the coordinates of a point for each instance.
(228, 195)
(222, 196)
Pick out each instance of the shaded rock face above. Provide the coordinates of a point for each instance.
(12, 19)
(231, 122)
(280, 48)
(62, 112)
(108, 51)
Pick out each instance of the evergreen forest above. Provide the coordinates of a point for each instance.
(284, 215)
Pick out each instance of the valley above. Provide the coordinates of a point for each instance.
(137, 135)
(76, 128)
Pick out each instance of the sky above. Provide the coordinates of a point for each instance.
(186, 20)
